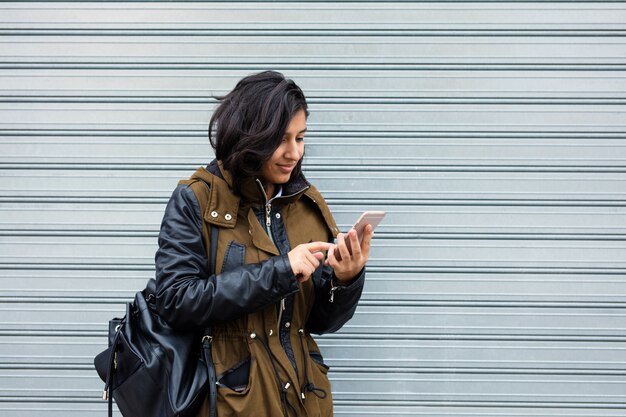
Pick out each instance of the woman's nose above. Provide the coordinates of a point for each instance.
(291, 150)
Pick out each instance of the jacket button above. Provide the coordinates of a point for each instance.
(228, 217)
(287, 324)
(278, 215)
(252, 335)
(214, 214)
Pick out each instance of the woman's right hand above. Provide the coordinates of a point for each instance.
(305, 259)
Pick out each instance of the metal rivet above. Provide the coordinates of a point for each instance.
(287, 324)
(214, 214)
(278, 215)
(252, 335)
(271, 332)
(228, 217)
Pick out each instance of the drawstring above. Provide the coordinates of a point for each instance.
(286, 400)
(283, 388)
(308, 386)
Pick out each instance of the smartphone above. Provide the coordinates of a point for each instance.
(368, 217)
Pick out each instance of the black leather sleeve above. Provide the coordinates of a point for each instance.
(329, 316)
(187, 297)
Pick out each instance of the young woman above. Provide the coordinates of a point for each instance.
(276, 277)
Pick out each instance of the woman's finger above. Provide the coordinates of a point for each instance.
(317, 246)
(343, 249)
(354, 244)
(368, 234)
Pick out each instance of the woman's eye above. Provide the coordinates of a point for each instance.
(300, 139)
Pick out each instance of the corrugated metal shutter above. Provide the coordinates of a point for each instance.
(493, 133)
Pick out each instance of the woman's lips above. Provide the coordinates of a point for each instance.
(285, 168)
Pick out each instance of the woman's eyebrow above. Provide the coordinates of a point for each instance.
(299, 133)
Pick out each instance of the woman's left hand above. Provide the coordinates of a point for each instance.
(350, 264)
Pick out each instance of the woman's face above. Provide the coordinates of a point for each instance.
(277, 170)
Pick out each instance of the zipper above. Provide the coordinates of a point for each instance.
(333, 287)
(281, 309)
(268, 229)
(268, 216)
(268, 221)
(268, 226)
(207, 341)
(268, 212)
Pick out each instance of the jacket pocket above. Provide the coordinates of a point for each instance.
(319, 360)
(319, 400)
(236, 378)
(235, 256)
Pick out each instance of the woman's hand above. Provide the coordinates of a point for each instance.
(305, 258)
(350, 264)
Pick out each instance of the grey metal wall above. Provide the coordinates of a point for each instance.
(493, 133)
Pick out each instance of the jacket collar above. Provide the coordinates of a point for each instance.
(224, 203)
(252, 191)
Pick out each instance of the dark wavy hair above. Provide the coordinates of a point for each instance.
(250, 122)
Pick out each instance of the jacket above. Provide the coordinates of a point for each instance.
(266, 362)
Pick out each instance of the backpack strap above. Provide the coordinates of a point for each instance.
(201, 187)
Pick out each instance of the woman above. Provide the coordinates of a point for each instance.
(276, 275)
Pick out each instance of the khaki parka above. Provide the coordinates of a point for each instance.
(266, 362)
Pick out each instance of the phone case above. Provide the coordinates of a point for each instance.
(368, 217)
